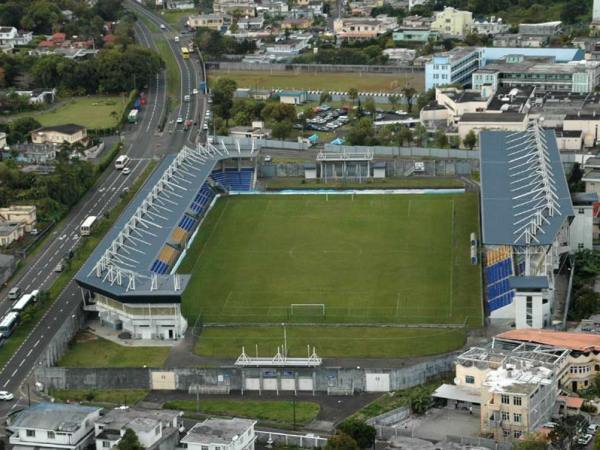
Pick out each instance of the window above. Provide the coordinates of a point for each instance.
(581, 211)
(30, 433)
(505, 415)
(469, 379)
(580, 246)
(505, 399)
(50, 434)
(516, 418)
(517, 434)
(105, 444)
(204, 447)
(517, 401)
(506, 433)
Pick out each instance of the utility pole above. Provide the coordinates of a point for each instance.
(294, 411)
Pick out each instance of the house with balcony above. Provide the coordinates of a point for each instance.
(230, 434)
(10, 37)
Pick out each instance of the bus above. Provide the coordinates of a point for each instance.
(23, 303)
(34, 295)
(132, 116)
(121, 162)
(185, 53)
(8, 324)
(86, 227)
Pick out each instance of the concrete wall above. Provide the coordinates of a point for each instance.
(326, 379)
(310, 68)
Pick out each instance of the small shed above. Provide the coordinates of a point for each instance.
(310, 171)
(379, 170)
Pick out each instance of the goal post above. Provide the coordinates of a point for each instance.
(307, 310)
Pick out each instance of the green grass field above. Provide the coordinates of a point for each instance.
(338, 81)
(351, 342)
(278, 411)
(103, 353)
(367, 259)
(90, 112)
(100, 396)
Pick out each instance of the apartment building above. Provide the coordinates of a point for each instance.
(493, 26)
(155, 429)
(215, 21)
(358, 28)
(23, 214)
(541, 29)
(453, 67)
(52, 426)
(230, 434)
(453, 22)
(10, 37)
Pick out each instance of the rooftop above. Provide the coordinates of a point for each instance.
(518, 377)
(68, 128)
(457, 53)
(581, 342)
(53, 416)
(218, 431)
(136, 419)
(485, 117)
(528, 282)
(524, 195)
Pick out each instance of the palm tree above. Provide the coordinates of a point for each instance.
(409, 92)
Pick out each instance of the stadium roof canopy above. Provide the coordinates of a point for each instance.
(524, 195)
(120, 265)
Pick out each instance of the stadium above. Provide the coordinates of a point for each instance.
(352, 275)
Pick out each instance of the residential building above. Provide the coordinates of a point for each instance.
(453, 67)
(453, 22)
(417, 22)
(581, 230)
(59, 134)
(301, 23)
(53, 426)
(586, 123)
(519, 71)
(285, 49)
(400, 55)
(10, 37)
(180, 4)
(38, 96)
(292, 97)
(541, 29)
(23, 214)
(251, 23)
(10, 232)
(513, 385)
(230, 434)
(520, 40)
(480, 121)
(413, 3)
(522, 255)
(493, 26)
(357, 28)
(214, 21)
(241, 7)
(595, 15)
(414, 35)
(155, 429)
(256, 131)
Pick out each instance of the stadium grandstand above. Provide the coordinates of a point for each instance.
(129, 279)
(526, 210)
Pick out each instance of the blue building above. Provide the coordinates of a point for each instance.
(457, 65)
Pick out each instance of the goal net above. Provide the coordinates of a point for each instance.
(307, 311)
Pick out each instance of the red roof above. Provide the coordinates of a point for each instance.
(46, 44)
(58, 37)
(583, 342)
(572, 402)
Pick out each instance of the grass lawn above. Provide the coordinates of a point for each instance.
(112, 396)
(173, 17)
(280, 411)
(90, 112)
(173, 74)
(367, 259)
(102, 353)
(338, 81)
(388, 183)
(330, 341)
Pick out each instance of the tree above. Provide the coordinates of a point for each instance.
(130, 441)
(394, 101)
(362, 133)
(419, 401)
(585, 303)
(420, 134)
(370, 106)
(573, 10)
(222, 95)
(277, 112)
(20, 129)
(409, 92)
(324, 97)
(341, 441)
(363, 433)
(596, 442)
(425, 98)
(470, 140)
(441, 138)
(282, 129)
(531, 442)
(353, 94)
(405, 135)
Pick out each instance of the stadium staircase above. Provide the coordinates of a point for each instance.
(498, 269)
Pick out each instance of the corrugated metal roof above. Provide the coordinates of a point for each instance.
(524, 194)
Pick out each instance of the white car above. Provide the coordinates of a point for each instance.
(195, 91)
(6, 396)
(179, 120)
(186, 98)
(268, 158)
(593, 428)
(126, 171)
(585, 439)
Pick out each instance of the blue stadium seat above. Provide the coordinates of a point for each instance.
(498, 292)
(235, 180)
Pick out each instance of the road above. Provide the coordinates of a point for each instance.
(142, 142)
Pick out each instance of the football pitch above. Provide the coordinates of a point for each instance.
(312, 259)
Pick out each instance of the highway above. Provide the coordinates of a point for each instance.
(142, 142)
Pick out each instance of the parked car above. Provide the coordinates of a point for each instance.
(585, 439)
(180, 120)
(6, 396)
(592, 428)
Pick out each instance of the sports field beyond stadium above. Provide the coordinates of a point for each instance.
(388, 259)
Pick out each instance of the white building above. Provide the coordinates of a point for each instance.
(10, 37)
(581, 230)
(53, 426)
(155, 429)
(213, 434)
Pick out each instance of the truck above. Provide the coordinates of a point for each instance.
(132, 116)
(187, 124)
(137, 104)
(203, 87)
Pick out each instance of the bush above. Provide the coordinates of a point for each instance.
(588, 408)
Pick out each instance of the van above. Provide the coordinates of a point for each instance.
(162, 26)
(176, 39)
(14, 293)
